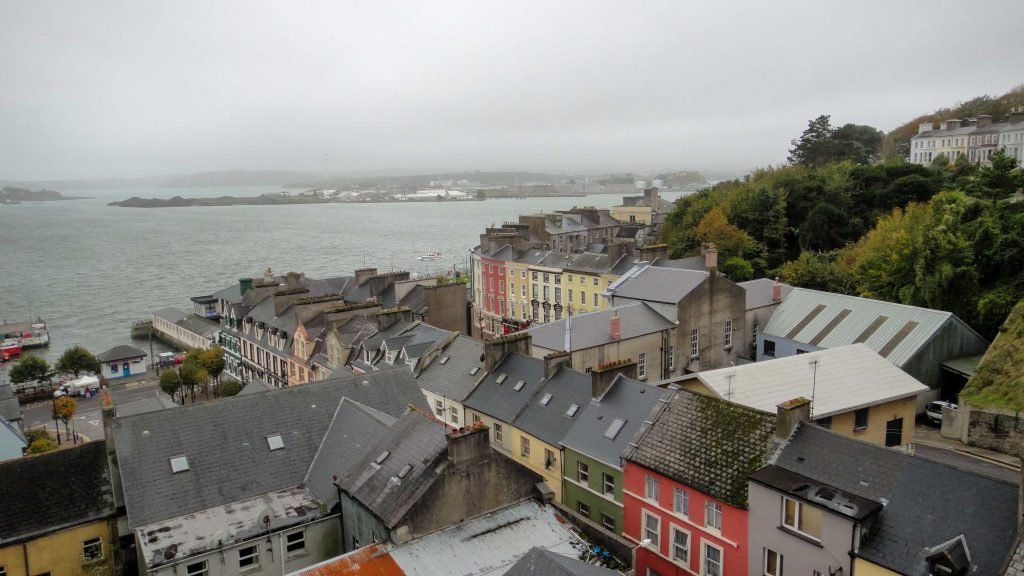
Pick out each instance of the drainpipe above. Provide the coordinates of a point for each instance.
(280, 539)
(24, 552)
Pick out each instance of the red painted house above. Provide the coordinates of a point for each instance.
(686, 486)
(492, 296)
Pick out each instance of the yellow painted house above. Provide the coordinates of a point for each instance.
(58, 514)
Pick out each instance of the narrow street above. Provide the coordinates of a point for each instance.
(928, 443)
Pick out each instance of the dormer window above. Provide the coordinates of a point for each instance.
(179, 464)
(275, 442)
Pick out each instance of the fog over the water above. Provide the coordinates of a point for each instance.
(128, 88)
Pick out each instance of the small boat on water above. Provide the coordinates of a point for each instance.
(9, 348)
(431, 256)
(26, 334)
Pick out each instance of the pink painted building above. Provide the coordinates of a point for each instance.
(686, 486)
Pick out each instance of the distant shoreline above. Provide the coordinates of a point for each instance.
(10, 195)
(273, 200)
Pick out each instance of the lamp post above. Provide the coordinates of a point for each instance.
(56, 423)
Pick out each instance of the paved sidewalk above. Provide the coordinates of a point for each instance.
(930, 436)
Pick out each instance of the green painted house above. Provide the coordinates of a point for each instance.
(592, 474)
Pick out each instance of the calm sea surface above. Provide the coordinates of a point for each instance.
(90, 270)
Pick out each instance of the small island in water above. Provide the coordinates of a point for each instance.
(11, 195)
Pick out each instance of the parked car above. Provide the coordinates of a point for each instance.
(934, 410)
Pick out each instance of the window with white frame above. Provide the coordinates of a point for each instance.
(671, 357)
(583, 508)
(652, 529)
(92, 549)
(295, 543)
(596, 295)
(498, 434)
(728, 334)
(651, 488)
(680, 545)
(197, 569)
(772, 563)
(439, 407)
(453, 414)
(801, 517)
(608, 522)
(249, 558)
(608, 483)
(641, 365)
(582, 472)
(524, 446)
(694, 342)
(681, 502)
(713, 515)
(712, 560)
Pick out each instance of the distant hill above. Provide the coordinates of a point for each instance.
(237, 178)
(9, 195)
(898, 141)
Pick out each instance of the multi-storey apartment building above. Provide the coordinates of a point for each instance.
(975, 139)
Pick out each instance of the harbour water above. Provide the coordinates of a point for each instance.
(90, 270)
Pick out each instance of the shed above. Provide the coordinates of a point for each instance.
(121, 362)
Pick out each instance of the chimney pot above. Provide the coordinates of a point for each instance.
(777, 291)
(711, 258)
(616, 326)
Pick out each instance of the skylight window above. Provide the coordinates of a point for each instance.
(444, 360)
(275, 442)
(474, 370)
(179, 464)
(383, 456)
(572, 410)
(519, 385)
(614, 429)
(501, 378)
(544, 401)
(404, 471)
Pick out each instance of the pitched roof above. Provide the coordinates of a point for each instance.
(353, 429)
(708, 444)
(760, 292)
(38, 499)
(15, 430)
(631, 401)
(188, 321)
(594, 328)
(656, 284)
(120, 352)
(10, 409)
(226, 442)
(826, 320)
(688, 263)
(836, 382)
(143, 405)
(926, 503)
(501, 400)
(448, 373)
(540, 562)
(398, 468)
(550, 421)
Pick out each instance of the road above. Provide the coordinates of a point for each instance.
(968, 462)
(88, 420)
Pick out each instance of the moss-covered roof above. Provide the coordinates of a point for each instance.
(998, 382)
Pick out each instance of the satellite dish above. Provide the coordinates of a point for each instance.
(218, 538)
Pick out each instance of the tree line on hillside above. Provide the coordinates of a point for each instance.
(941, 236)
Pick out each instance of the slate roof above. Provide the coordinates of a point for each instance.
(844, 379)
(628, 399)
(120, 352)
(255, 386)
(10, 409)
(656, 284)
(826, 320)
(551, 422)
(38, 499)
(502, 401)
(188, 321)
(143, 405)
(926, 503)
(708, 444)
(238, 464)
(414, 440)
(353, 429)
(231, 294)
(540, 562)
(688, 263)
(594, 328)
(759, 292)
(452, 378)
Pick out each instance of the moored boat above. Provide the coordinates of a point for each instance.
(26, 334)
(431, 256)
(9, 348)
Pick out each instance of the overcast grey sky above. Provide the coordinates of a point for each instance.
(104, 88)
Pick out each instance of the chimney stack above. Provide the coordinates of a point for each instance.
(554, 360)
(602, 377)
(1016, 115)
(984, 120)
(616, 325)
(244, 285)
(711, 259)
(496, 349)
(777, 291)
(468, 444)
(363, 273)
(924, 127)
(789, 414)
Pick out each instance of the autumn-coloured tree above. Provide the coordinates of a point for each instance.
(64, 409)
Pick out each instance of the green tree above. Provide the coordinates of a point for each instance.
(212, 361)
(193, 375)
(170, 383)
(815, 147)
(76, 360)
(30, 368)
(857, 143)
(999, 180)
(738, 269)
(41, 445)
(230, 387)
(715, 229)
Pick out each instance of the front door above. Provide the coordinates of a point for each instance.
(894, 432)
(125, 369)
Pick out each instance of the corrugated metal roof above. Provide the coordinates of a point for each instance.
(838, 380)
(897, 331)
(965, 366)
